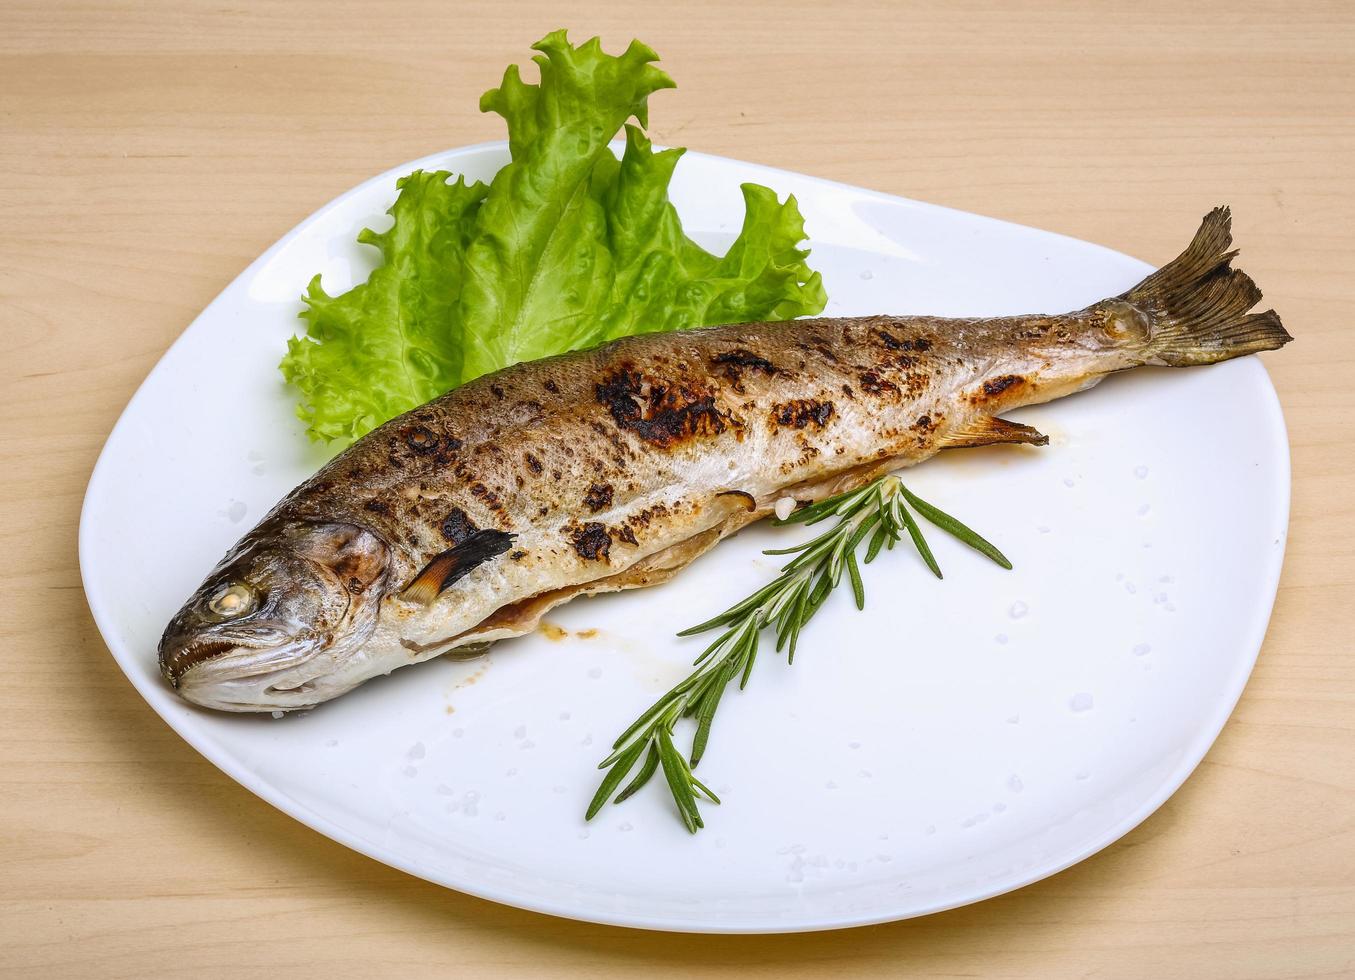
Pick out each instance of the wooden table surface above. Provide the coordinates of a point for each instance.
(149, 151)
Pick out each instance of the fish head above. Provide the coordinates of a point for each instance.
(275, 622)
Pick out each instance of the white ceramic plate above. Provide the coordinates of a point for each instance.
(959, 739)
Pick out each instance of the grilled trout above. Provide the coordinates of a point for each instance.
(463, 521)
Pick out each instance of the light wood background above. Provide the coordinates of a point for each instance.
(148, 151)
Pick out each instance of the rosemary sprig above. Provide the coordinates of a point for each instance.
(878, 514)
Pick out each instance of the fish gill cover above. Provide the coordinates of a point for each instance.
(565, 248)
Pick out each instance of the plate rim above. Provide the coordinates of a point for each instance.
(1194, 753)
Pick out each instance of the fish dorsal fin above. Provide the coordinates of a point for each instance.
(455, 562)
(989, 430)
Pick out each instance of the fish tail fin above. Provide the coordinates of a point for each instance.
(1198, 304)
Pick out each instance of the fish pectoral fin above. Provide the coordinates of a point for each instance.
(989, 430)
(455, 562)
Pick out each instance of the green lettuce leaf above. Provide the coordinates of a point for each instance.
(665, 281)
(567, 247)
(539, 266)
(392, 342)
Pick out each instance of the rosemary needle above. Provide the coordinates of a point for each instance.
(877, 514)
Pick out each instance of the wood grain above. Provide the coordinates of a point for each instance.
(148, 151)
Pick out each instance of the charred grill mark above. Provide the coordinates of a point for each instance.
(421, 439)
(626, 534)
(808, 453)
(518, 555)
(919, 344)
(901, 348)
(661, 414)
(738, 362)
(377, 506)
(598, 497)
(488, 497)
(424, 443)
(496, 391)
(623, 452)
(916, 383)
(847, 390)
(592, 540)
(737, 359)
(873, 384)
(457, 526)
(820, 347)
(925, 428)
(533, 463)
(551, 386)
(643, 518)
(800, 413)
(996, 386)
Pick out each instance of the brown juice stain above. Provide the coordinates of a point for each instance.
(653, 672)
(467, 681)
(552, 632)
(557, 633)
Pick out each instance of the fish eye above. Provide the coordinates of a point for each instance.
(231, 601)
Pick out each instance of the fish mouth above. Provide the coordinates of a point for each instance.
(229, 675)
(185, 658)
(224, 656)
(266, 667)
(179, 660)
(286, 688)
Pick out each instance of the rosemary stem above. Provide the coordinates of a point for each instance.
(877, 515)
